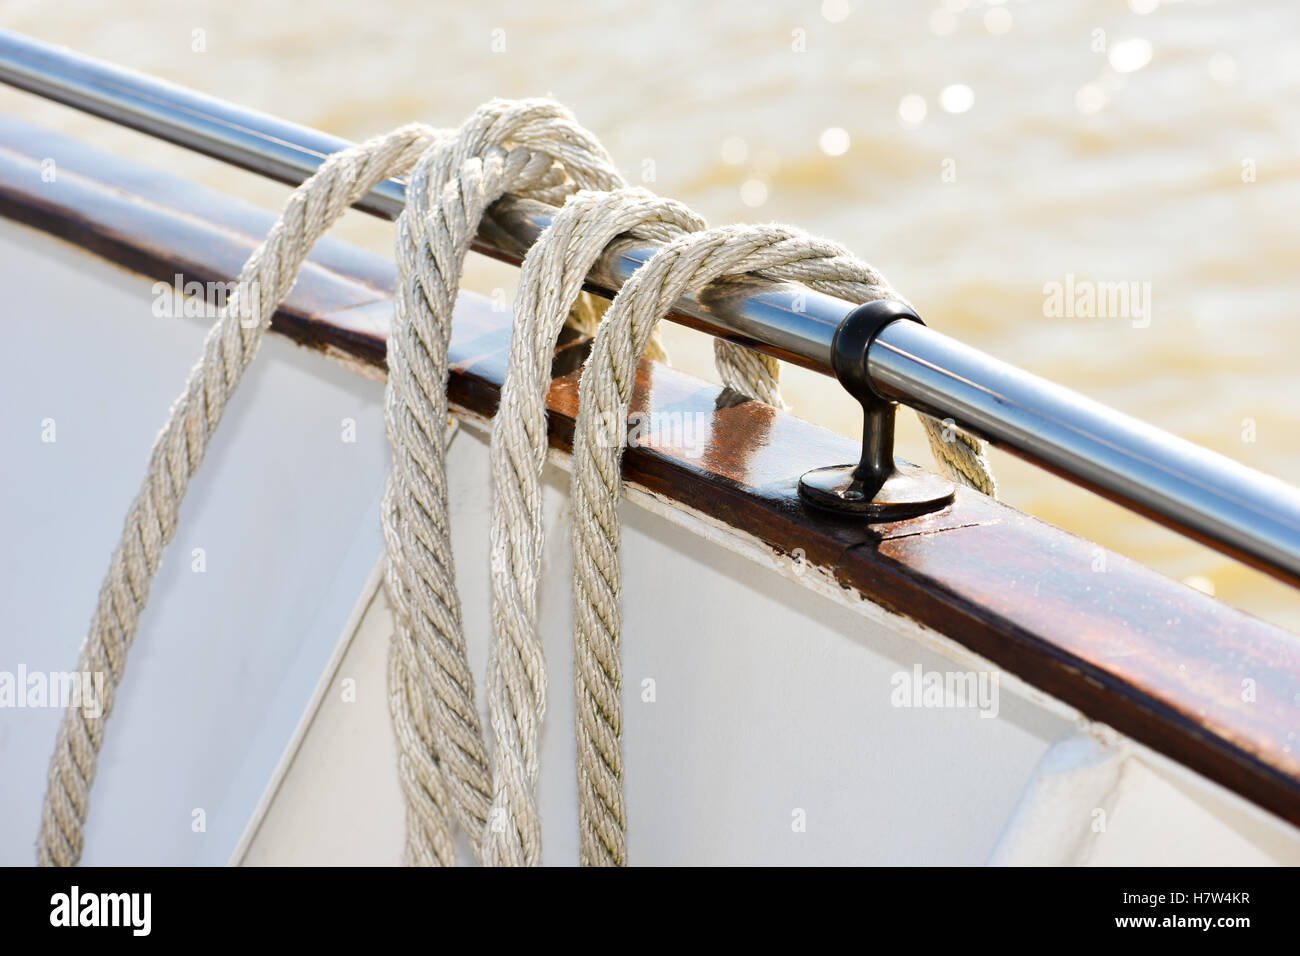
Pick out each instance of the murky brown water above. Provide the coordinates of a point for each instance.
(975, 152)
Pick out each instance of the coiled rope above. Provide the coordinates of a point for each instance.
(449, 775)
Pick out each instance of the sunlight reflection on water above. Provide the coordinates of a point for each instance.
(974, 151)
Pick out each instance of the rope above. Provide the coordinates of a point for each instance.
(551, 279)
(434, 708)
(151, 519)
(605, 393)
(449, 775)
(493, 800)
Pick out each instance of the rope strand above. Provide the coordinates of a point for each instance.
(177, 452)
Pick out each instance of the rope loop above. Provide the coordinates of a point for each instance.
(452, 776)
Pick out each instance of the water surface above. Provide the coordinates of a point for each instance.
(977, 153)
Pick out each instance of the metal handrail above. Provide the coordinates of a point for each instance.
(1207, 496)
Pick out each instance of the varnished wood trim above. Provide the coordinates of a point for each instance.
(1156, 660)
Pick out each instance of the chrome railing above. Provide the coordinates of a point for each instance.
(1202, 494)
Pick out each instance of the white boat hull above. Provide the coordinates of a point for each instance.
(763, 716)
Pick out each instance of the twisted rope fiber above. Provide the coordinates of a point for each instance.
(442, 763)
(449, 191)
(605, 393)
(550, 282)
(532, 148)
(433, 239)
(151, 520)
(150, 523)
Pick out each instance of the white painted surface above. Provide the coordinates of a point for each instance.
(773, 693)
(769, 699)
(338, 800)
(1095, 799)
(286, 512)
